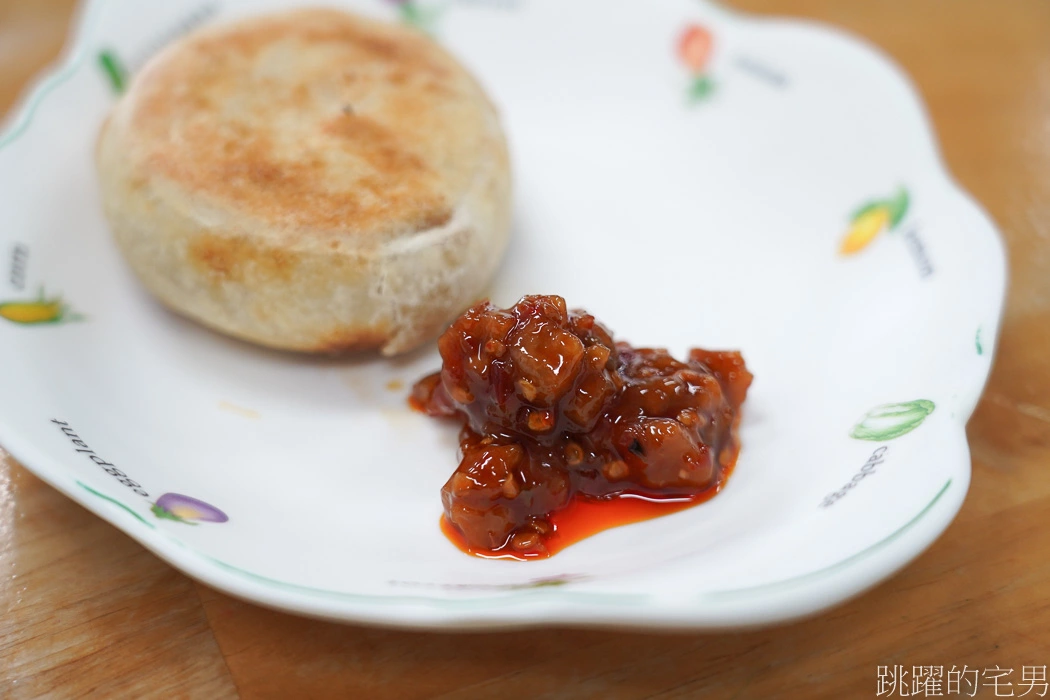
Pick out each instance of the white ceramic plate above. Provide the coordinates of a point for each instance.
(684, 196)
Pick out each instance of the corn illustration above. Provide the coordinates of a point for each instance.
(37, 312)
(872, 219)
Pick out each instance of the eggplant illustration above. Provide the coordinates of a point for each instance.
(184, 509)
(892, 420)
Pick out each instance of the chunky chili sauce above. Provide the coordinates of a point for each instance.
(562, 424)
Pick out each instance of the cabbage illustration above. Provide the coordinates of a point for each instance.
(184, 509)
(892, 420)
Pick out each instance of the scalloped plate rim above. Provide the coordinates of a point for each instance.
(560, 605)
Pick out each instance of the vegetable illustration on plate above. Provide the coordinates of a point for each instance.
(39, 311)
(114, 70)
(184, 509)
(694, 50)
(890, 421)
(415, 14)
(872, 219)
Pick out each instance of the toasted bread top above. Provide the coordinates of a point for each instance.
(311, 128)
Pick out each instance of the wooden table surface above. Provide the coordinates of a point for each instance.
(85, 611)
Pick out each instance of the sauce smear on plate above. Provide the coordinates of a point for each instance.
(581, 518)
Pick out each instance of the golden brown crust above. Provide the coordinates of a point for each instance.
(227, 258)
(311, 180)
(345, 340)
(330, 144)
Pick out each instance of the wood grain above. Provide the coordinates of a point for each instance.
(87, 611)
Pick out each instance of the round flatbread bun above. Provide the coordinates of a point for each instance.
(311, 181)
